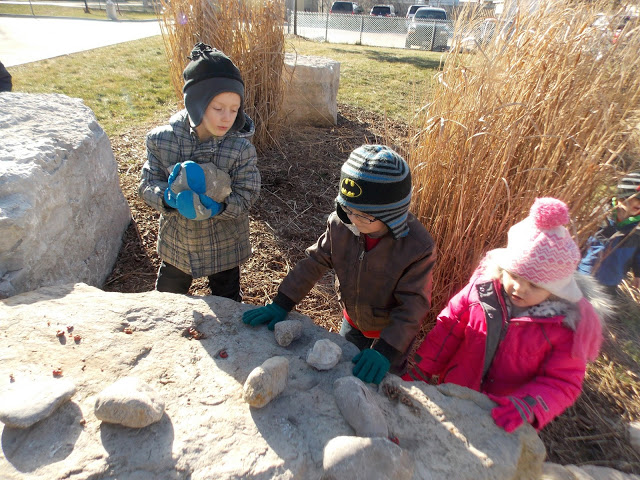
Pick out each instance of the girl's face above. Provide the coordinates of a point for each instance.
(521, 292)
(219, 116)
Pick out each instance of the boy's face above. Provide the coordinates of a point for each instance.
(365, 224)
(219, 116)
(628, 208)
(522, 292)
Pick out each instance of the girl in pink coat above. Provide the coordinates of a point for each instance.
(521, 331)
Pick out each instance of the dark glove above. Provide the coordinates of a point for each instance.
(197, 207)
(272, 313)
(511, 412)
(370, 366)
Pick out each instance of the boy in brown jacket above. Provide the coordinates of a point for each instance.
(382, 257)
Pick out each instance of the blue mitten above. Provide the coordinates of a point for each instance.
(191, 206)
(187, 176)
(272, 314)
(370, 366)
(170, 194)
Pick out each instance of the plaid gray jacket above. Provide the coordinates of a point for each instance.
(202, 248)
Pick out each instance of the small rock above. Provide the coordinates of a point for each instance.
(287, 331)
(324, 355)
(634, 435)
(266, 382)
(24, 403)
(370, 458)
(359, 408)
(129, 402)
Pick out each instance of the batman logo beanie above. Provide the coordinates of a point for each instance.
(376, 181)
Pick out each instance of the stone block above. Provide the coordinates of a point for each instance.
(62, 212)
(310, 90)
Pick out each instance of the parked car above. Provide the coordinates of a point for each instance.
(412, 10)
(430, 29)
(346, 7)
(383, 11)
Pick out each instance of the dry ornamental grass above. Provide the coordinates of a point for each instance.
(547, 108)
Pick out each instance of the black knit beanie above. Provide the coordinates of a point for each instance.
(209, 73)
(629, 185)
(376, 181)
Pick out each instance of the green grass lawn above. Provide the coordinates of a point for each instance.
(128, 83)
(73, 12)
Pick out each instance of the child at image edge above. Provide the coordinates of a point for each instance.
(521, 331)
(382, 257)
(615, 247)
(197, 235)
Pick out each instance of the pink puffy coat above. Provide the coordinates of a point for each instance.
(536, 358)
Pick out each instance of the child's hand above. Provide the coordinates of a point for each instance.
(370, 366)
(170, 195)
(196, 207)
(636, 282)
(511, 412)
(188, 176)
(272, 314)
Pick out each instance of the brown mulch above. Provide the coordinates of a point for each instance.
(299, 184)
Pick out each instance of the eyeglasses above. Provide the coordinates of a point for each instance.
(362, 217)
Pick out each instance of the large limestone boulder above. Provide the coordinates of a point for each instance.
(310, 90)
(62, 212)
(196, 354)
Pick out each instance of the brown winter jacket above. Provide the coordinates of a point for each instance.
(386, 289)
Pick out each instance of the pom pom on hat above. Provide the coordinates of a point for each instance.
(541, 250)
(548, 213)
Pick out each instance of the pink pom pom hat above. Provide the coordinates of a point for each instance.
(541, 250)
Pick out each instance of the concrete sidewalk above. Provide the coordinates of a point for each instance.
(29, 39)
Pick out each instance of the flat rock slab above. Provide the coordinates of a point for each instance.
(207, 429)
(24, 403)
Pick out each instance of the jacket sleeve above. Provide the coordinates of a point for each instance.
(245, 183)
(556, 387)
(413, 297)
(306, 273)
(154, 177)
(442, 342)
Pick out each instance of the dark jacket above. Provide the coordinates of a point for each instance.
(202, 248)
(612, 252)
(387, 289)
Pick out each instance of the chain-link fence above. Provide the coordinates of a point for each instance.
(394, 32)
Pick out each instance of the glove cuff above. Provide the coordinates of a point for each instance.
(284, 302)
(386, 350)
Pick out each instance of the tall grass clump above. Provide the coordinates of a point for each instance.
(548, 107)
(249, 32)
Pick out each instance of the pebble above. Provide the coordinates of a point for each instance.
(359, 408)
(370, 458)
(24, 403)
(287, 331)
(266, 382)
(325, 355)
(129, 402)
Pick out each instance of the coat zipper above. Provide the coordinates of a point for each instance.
(360, 258)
